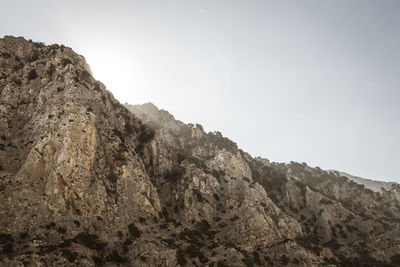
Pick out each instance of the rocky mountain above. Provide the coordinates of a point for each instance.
(376, 186)
(86, 181)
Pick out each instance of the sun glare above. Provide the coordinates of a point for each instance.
(111, 66)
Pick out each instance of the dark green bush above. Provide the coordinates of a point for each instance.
(126, 244)
(33, 56)
(135, 232)
(61, 230)
(50, 225)
(5, 238)
(180, 257)
(98, 260)
(175, 174)
(115, 257)
(120, 156)
(65, 62)
(23, 235)
(91, 241)
(65, 243)
(32, 74)
(171, 243)
(18, 66)
(284, 259)
(69, 255)
(6, 55)
(217, 219)
(218, 174)
(47, 249)
(203, 225)
(51, 70)
(193, 251)
(222, 264)
(17, 81)
(192, 236)
(8, 248)
(234, 218)
(112, 177)
(145, 135)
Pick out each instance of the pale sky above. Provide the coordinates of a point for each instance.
(307, 81)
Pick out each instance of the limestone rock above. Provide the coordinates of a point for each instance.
(86, 181)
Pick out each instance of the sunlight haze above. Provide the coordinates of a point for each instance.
(307, 81)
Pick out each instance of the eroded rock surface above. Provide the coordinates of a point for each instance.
(85, 181)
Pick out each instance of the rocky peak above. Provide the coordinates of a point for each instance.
(376, 186)
(71, 155)
(87, 181)
(338, 217)
(154, 117)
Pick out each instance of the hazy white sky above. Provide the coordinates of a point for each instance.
(308, 81)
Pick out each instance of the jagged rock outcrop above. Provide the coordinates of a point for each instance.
(71, 155)
(377, 186)
(343, 223)
(360, 227)
(85, 181)
(207, 177)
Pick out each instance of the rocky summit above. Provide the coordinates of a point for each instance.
(86, 181)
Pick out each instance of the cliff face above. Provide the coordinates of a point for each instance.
(377, 186)
(71, 156)
(342, 222)
(87, 181)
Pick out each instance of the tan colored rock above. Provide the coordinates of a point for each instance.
(84, 182)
